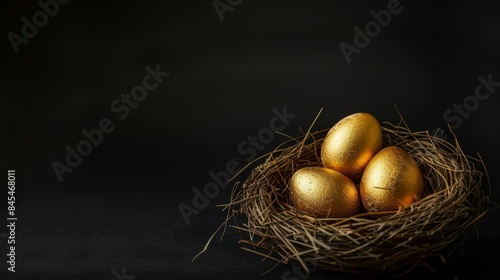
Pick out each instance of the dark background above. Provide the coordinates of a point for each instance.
(119, 207)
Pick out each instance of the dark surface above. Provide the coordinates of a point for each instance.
(119, 207)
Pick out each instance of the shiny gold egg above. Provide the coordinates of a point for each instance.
(351, 143)
(324, 193)
(391, 180)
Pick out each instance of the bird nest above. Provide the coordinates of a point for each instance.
(367, 243)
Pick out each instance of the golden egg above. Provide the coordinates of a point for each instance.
(391, 180)
(324, 193)
(351, 143)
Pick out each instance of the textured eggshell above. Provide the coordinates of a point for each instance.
(351, 143)
(324, 193)
(391, 180)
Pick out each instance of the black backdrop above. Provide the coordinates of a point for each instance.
(117, 213)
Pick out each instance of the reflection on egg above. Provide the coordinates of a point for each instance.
(324, 193)
(351, 143)
(391, 180)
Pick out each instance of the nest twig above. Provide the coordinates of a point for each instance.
(367, 243)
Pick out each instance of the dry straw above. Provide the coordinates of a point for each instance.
(367, 243)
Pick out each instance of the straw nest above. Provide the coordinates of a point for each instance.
(367, 243)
